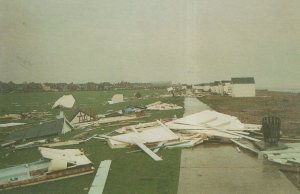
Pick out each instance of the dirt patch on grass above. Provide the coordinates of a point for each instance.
(286, 106)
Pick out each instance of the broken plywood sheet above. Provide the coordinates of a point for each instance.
(64, 143)
(185, 143)
(199, 118)
(241, 135)
(106, 120)
(214, 124)
(211, 119)
(245, 146)
(139, 127)
(149, 135)
(216, 133)
(252, 127)
(286, 156)
(66, 101)
(73, 156)
(139, 143)
(175, 126)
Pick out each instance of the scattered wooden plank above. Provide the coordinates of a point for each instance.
(100, 178)
(146, 149)
(244, 146)
(149, 152)
(240, 135)
(238, 149)
(64, 143)
(158, 147)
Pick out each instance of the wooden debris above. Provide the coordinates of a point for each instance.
(244, 146)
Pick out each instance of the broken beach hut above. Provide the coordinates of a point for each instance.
(185, 132)
(117, 98)
(81, 116)
(57, 164)
(152, 134)
(214, 124)
(47, 129)
(66, 101)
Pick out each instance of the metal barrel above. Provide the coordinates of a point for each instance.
(271, 130)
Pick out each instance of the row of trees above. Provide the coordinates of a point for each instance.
(90, 86)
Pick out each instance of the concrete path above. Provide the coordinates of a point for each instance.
(221, 169)
(193, 105)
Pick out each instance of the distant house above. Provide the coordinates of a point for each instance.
(46, 87)
(206, 87)
(226, 87)
(243, 87)
(215, 87)
(220, 88)
(197, 88)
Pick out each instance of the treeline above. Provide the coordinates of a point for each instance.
(90, 86)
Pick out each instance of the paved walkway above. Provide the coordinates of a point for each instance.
(193, 105)
(221, 169)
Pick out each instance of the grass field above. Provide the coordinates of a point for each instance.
(130, 172)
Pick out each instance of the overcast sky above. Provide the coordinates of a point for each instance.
(190, 41)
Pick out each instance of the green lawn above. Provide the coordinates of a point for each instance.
(130, 172)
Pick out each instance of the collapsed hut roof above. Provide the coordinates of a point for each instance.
(51, 128)
(66, 101)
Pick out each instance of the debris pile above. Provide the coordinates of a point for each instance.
(162, 106)
(35, 115)
(184, 132)
(117, 98)
(151, 134)
(10, 116)
(148, 135)
(212, 124)
(82, 118)
(289, 156)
